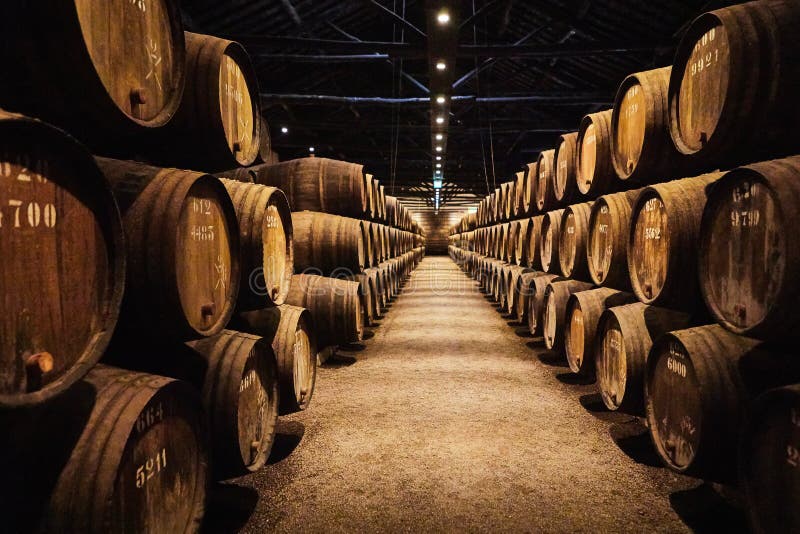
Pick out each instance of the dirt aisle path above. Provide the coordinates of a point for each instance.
(450, 418)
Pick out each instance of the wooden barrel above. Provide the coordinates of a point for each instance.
(366, 294)
(595, 173)
(497, 205)
(640, 145)
(267, 254)
(545, 180)
(733, 89)
(511, 199)
(520, 184)
(59, 216)
(292, 333)
(556, 295)
(143, 445)
(581, 318)
(245, 175)
(382, 203)
(377, 300)
(240, 397)
(391, 210)
(327, 243)
(622, 341)
(607, 242)
(183, 247)
(511, 242)
(513, 288)
(565, 185)
(747, 263)
(769, 459)
(526, 197)
(700, 383)
(369, 191)
(218, 124)
(334, 306)
(548, 241)
(663, 239)
(368, 239)
(499, 241)
(523, 242)
(98, 91)
(318, 184)
(502, 207)
(265, 153)
(573, 232)
(522, 293)
(538, 284)
(534, 238)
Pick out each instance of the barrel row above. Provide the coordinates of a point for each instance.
(704, 112)
(719, 406)
(712, 244)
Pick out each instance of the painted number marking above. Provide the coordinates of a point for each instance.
(150, 468)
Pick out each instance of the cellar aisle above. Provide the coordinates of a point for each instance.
(451, 418)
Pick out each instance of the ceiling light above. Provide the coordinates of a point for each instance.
(440, 100)
(438, 149)
(439, 120)
(443, 17)
(438, 158)
(311, 149)
(285, 130)
(441, 65)
(438, 165)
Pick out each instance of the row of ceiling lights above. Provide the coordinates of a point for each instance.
(443, 18)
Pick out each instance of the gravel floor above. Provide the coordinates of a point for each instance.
(451, 418)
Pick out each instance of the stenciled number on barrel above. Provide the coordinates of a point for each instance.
(710, 58)
(150, 468)
(150, 416)
(27, 172)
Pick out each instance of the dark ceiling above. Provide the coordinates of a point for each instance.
(352, 77)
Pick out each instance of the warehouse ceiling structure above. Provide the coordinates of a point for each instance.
(479, 87)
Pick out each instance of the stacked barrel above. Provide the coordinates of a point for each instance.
(354, 246)
(668, 281)
(146, 266)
